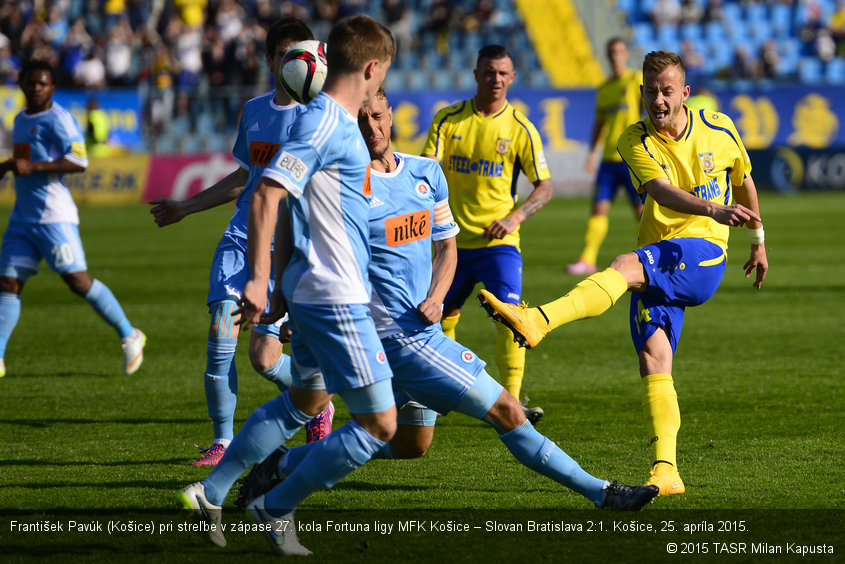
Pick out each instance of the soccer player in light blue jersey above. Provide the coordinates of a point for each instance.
(410, 211)
(323, 174)
(47, 144)
(264, 127)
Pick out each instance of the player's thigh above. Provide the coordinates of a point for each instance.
(341, 342)
(19, 256)
(229, 270)
(61, 247)
(265, 348)
(462, 283)
(499, 268)
(433, 369)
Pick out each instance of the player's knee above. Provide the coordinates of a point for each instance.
(407, 450)
(263, 357)
(10, 285)
(507, 413)
(222, 322)
(78, 282)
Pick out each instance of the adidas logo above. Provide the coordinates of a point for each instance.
(254, 127)
(375, 202)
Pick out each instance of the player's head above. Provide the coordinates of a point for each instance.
(664, 89)
(280, 37)
(360, 44)
(375, 121)
(37, 79)
(617, 54)
(493, 73)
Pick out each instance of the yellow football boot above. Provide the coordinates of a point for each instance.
(528, 324)
(666, 477)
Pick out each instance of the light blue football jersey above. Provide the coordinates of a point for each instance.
(45, 137)
(409, 210)
(324, 166)
(264, 128)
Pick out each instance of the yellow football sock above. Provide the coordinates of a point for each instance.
(510, 359)
(448, 324)
(592, 297)
(596, 232)
(662, 416)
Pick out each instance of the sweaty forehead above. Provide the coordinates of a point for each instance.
(670, 76)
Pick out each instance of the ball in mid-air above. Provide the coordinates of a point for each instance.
(303, 70)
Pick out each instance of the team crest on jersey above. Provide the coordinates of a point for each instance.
(503, 145)
(381, 358)
(707, 162)
(467, 356)
(78, 149)
(422, 189)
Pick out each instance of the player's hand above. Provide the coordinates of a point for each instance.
(430, 310)
(277, 310)
(251, 305)
(758, 262)
(590, 165)
(166, 211)
(499, 228)
(735, 216)
(22, 167)
(285, 332)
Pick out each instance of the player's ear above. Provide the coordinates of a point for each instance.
(370, 68)
(686, 93)
(390, 115)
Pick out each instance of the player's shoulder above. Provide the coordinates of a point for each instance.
(452, 111)
(715, 120)
(260, 102)
(633, 134)
(418, 163)
(62, 116)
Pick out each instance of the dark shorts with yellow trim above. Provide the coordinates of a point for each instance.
(681, 273)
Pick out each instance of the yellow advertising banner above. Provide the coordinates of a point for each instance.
(115, 180)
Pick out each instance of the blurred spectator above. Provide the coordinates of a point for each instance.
(694, 60)
(714, 12)
(77, 43)
(56, 29)
(825, 45)
(836, 25)
(744, 64)
(691, 12)
(9, 64)
(665, 13)
(812, 25)
(769, 59)
(90, 73)
(119, 54)
(229, 21)
(161, 94)
(438, 22)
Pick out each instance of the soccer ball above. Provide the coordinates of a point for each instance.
(303, 70)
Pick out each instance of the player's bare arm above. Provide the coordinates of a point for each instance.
(539, 197)
(263, 212)
(167, 211)
(282, 253)
(595, 136)
(672, 197)
(442, 273)
(746, 194)
(24, 167)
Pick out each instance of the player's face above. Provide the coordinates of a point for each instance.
(374, 121)
(494, 76)
(38, 89)
(618, 55)
(664, 96)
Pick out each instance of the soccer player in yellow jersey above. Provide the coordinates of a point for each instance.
(482, 144)
(688, 164)
(617, 106)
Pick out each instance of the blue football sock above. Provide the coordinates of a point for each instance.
(279, 373)
(107, 306)
(268, 427)
(221, 385)
(542, 455)
(10, 311)
(328, 461)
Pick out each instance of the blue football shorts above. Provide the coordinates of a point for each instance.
(25, 244)
(229, 275)
(610, 178)
(432, 369)
(681, 273)
(336, 348)
(499, 268)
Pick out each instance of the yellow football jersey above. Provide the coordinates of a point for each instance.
(707, 161)
(618, 105)
(481, 157)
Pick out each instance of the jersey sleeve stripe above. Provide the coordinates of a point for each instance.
(717, 128)
(325, 129)
(440, 125)
(533, 153)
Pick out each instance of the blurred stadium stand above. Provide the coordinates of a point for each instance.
(194, 62)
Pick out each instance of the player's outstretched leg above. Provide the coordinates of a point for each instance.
(528, 325)
(628, 498)
(280, 531)
(192, 499)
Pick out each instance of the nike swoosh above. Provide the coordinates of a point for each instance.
(676, 486)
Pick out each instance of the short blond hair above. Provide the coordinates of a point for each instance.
(658, 61)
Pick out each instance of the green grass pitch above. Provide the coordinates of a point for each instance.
(758, 375)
